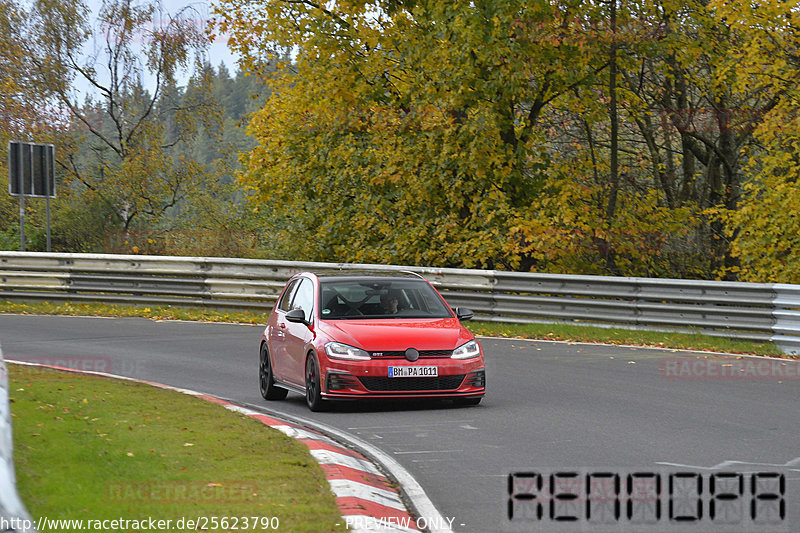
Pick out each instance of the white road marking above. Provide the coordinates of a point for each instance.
(429, 451)
(298, 433)
(243, 410)
(333, 458)
(344, 488)
(728, 464)
(403, 427)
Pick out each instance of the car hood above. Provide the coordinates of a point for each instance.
(399, 334)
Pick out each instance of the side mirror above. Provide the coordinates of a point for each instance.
(463, 313)
(297, 315)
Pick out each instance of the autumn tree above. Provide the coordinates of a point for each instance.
(123, 128)
(765, 226)
(587, 137)
(406, 133)
(684, 115)
(27, 113)
(603, 211)
(12, 87)
(461, 134)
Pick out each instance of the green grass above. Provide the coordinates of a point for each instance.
(572, 333)
(556, 331)
(154, 312)
(100, 449)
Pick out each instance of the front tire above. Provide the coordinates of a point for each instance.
(266, 382)
(313, 389)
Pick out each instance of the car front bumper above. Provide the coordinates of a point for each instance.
(372, 380)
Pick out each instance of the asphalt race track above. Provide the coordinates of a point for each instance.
(551, 408)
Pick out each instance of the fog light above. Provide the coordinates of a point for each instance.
(477, 379)
(341, 381)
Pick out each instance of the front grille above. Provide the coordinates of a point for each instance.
(381, 384)
(423, 354)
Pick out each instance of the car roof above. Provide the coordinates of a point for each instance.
(357, 275)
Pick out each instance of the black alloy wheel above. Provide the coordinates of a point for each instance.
(266, 383)
(313, 389)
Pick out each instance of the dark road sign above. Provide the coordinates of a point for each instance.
(31, 169)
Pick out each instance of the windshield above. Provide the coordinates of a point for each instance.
(382, 298)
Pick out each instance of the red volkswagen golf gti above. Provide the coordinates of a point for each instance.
(354, 336)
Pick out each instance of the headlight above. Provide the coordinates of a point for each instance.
(337, 350)
(467, 351)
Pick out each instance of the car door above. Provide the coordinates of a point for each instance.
(298, 336)
(278, 330)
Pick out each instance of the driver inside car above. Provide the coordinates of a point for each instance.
(389, 303)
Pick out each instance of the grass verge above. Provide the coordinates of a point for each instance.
(154, 312)
(94, 448)
(571, 333)
(555, 331)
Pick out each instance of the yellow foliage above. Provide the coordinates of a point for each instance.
(765, 229)
(455, 133)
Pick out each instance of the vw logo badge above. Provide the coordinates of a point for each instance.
(412, 354)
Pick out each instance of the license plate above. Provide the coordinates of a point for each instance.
(413, 371)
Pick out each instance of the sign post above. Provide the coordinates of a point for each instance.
(31, 172)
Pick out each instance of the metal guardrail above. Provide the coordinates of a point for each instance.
(754, 311)
(13, 516)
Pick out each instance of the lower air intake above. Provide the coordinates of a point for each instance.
(441, 383)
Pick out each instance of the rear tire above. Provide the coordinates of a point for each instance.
(313, 389)
(266, 382)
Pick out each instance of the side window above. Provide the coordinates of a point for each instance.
(304, 298)
(284, 304)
